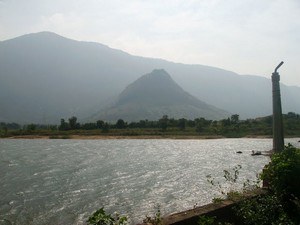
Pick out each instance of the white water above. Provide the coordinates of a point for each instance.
(64, 181)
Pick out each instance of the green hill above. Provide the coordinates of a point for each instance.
(154, 95)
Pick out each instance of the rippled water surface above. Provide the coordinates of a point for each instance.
(64, 181)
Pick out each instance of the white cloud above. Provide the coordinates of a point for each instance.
(65, 24)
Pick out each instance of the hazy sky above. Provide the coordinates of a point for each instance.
(247, 36)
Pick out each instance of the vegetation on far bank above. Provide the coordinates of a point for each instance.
(230, 127)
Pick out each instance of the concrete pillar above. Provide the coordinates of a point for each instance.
(278, 138)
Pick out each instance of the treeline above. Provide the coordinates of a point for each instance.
(164, 123)
(16, 126)
(230, 127)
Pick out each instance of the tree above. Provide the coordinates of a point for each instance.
(73, 123)
(226, 122)
(105, 128)
(201, 123)
(120, 124)
(89, 126)
(235, 118)
(235, 122)
(182, 124)
(163, 122)
(52, 127)
(143, 123)
(172, 122)
(214, 127)
(63, 125)
(31, 127)
(292, 115)
(5, 130)
(100, 124)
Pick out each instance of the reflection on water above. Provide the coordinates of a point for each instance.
(64, 181)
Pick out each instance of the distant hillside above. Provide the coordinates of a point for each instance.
(154, 95)
(45, 77)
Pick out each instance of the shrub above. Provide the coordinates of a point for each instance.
(100, 217)
(206, 220)
(281, 204)
(156, 219)
(283, 176)
(283, 173)
(262, 210)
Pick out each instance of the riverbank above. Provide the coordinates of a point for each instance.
(222, 211)
(108, 137)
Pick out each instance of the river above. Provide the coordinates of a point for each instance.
(64, 181)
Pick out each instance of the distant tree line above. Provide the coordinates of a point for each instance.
(230, 127)
(31, 126)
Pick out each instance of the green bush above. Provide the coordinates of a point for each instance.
(262, 210)
(100, 217)
(206, 220)
(283, 176)
(283, 173)
(281, 205)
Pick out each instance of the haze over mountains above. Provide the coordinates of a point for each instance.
(45, 77)
(154, 95)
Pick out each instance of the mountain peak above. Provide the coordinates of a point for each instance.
(156, 94)
(156, 74)
(160, 72)
(45, 35)
(154, 86)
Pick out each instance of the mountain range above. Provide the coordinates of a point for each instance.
(45, 77)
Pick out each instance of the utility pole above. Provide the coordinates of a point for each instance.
(278, 139)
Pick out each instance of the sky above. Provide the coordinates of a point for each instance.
(247, 37)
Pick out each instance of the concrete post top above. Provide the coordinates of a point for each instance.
(275, 76)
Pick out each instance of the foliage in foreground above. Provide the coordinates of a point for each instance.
(210, 220)
(283, 173)
(263, 210)
(100, 217)
(228, 187)
(206, 220)
(281, 205)
(156, 219)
